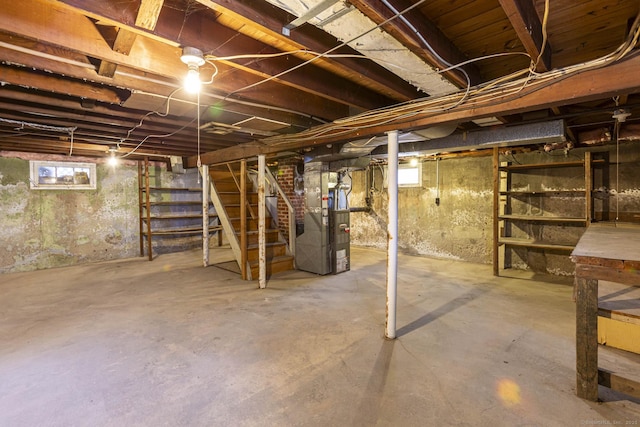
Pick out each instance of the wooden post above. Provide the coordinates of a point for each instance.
(587, 338)
(205, 215)
(262, 208)
(243, 218)
(148, 206)
(496, 209)
(588, 187)
(140, 209)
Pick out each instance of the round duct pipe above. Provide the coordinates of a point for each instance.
(435, 132)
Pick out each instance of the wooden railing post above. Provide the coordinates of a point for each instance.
(243, 218)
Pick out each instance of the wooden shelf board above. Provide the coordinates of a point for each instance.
(544, 218)
(618, 370)
(189, 216)
(550, 165)
(527, 243)
(542, 193)
(190, 189)
(176, 203)
(192, 230)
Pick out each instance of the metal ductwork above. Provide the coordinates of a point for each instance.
(535, 133)
(364, 147)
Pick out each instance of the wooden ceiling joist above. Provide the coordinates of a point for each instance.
(262, 20)
(23, 78)
(147, 18)
(203, 32)
(617, 78)
(525, 21)
(54, 24)
(71, 66)
(413, 30)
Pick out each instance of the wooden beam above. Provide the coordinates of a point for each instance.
(32, 54)
(439, 47)
(147, 18)
(79, 148)
(149, 13)
(525, 21)
(496, 211)
(48, 83)
(262, 19)
(60, 26)
(202, 31)
(615, 79)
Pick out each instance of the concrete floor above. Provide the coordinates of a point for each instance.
(138, 343)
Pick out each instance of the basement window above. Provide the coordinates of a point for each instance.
(408, 176)
(62, 175)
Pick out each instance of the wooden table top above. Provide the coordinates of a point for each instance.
(617, 241)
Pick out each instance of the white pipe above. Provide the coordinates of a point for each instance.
(392, 235)
(205, 215)
(262, 259)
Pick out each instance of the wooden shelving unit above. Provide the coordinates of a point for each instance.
(178, 216)
(526, 217)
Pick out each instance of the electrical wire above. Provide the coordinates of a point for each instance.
(484, 94)
(210, 60)
(71, 144)
(161, 114)
(333, 49)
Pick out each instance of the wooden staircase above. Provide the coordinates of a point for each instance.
(225, 195)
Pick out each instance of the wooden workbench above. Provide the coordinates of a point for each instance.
(609, 252)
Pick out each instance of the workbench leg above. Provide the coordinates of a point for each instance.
(587, 338)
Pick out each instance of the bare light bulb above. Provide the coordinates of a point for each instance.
(192, 81)
(413, 162)
(113, 160)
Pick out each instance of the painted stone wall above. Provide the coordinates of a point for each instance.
(50, 228)
(460, 227)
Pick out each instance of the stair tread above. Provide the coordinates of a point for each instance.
(268, 230)
(255, 245)
(277, 258)
(237, 192)
(274, 260)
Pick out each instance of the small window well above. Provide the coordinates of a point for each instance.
(62, 175)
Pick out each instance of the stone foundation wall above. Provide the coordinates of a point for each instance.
(52, 228)
(460, 227)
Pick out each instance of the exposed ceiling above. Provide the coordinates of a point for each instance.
(80, 76)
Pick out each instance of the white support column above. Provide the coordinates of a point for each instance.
(392, 235)
(262, 250)
(205, 215)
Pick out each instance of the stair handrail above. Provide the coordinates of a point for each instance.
(291, 210)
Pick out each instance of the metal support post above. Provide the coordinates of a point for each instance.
(392, 235)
